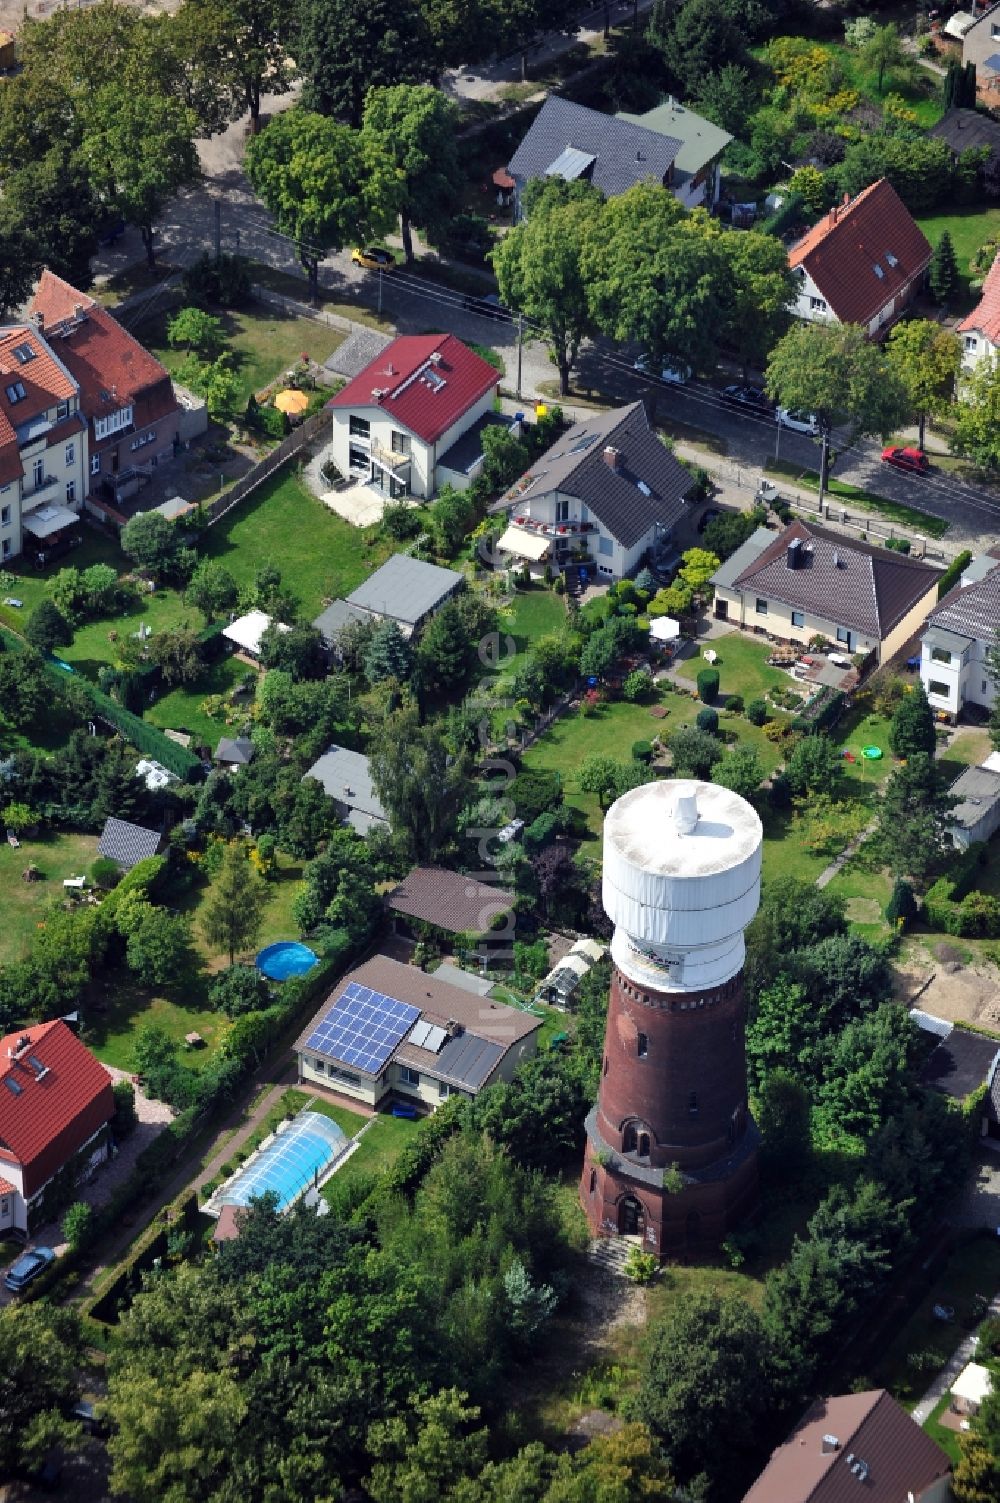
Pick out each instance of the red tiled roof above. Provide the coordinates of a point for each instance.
(869, 1432)
(985, 316)
(56, 1109)
(425, 394)
(112, 368)
(45, 384)
(841, 253)
(6, 1188)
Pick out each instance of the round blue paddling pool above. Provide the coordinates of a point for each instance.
(287, 958)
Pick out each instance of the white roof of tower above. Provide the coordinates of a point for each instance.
(645, 827)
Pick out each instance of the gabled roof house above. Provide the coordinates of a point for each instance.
(960, 631)
(56, 1101)
(862, 263)
(696, 175)
(43, 447)
(346, 777)
(126, 395)
(578, 144)
(805, 581)
(395, 422)
(979, 330)
(391, 1029)
(855, 1446)
(126, 843)
(606, 493)
(981, 46)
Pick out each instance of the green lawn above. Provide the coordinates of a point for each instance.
(910, 517)
(971, 1271)
(350, 1122)
(920, 88)
(379, 1149)
(853, 733)
(969, 228)
(32, 585)
(321, 557)
(66, 854)
(94, 643)
(127, 1008)
(946, 1438)
(181, 709)
(534, 613)
(742, 666)
(263, 341)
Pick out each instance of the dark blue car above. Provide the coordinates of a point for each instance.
(28, 1266)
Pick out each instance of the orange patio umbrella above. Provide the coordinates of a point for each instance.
(292, 402)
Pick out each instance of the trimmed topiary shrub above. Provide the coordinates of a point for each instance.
(708, 684)
(757, 712)
(734, 704)
(707, 720)
(642, 751)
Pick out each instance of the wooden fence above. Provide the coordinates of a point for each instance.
(300, 440)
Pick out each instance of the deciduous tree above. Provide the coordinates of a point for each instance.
(925, 358)
(47, 627)
(38, 1383)
(236, 51)
(409, 142)
(976, 433)
(346, 47)
(211, 589)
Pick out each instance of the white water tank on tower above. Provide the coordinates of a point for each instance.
(681, 882)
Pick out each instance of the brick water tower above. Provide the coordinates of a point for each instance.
(681, 883)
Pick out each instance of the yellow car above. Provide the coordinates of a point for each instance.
(373, 258)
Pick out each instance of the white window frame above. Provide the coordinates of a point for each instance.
(70, 492)
(409, 1076)
(95, 464)
(5, 516)
(114, 423)
(70, 454)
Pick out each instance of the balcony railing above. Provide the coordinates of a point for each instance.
(39, 491)
(568, 530)
(389, 459)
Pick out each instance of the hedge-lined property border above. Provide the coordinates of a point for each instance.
(138, 733)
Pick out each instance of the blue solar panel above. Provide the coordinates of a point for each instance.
(362, 1028)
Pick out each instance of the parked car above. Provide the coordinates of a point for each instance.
(675, 375)
(489, 306)
(27, 1267)
(754, 397)
(911, 460)
(707, 517)
(798, 422)
(86, 1415)
(373, 258)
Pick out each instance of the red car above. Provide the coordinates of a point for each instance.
(906, 459)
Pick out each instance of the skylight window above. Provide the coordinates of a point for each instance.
(12, 1085)
(16, 392)
(891, 259)
(642, 486)
(878, 272)
(24, 353)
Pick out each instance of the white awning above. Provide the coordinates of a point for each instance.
(664, 629)
(958, 25)
(533, 545)
(973, 1384)
(246, 631)
(47, 520)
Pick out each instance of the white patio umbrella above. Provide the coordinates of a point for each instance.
(664, 629)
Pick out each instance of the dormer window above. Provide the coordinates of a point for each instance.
(15, 392)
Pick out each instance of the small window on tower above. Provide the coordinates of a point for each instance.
(693, 1104)
(593, 1180)
(643, 1046)
(605, 1070)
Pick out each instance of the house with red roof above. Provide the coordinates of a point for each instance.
(43, 447)
(863, 263)
(56, 1101)
(126, 395)
(980, 329)
(401, 421)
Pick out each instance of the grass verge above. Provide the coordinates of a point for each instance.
(893, 511)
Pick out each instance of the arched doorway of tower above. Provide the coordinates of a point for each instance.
(631, 1216)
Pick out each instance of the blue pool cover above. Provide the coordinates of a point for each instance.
(290, 1164)
(287, 958)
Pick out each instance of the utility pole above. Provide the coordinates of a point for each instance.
(380, 292)
(520, 345)
(218, 228)
(822, 466)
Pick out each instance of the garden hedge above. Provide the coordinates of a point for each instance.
(708, 684)
(138, 733)
(951, 575)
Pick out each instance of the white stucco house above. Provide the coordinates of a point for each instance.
(863, 263)
(396, 422)
(979, 331)
(958, 634)
(605, 495)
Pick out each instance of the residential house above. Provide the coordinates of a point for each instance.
(126, 843)
(979, 330)
(971, 130)
(56, 1102)
(975, 815)
(406, 590)
(451, 902)
(960, 631)
(804, 582)
(697, 174)
(571, 142)
(346, 778)
(397, 419)
(331, 622)
(863, 263)
(246, 633)
(981, 46)
(961, 1063)
(132, 413)
(608, 494)
(43, 448)
(857, 1445)
(389, 1029)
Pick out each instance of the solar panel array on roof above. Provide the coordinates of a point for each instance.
(362, 1028)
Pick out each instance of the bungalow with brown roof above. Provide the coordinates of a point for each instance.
(854, 1446)
(390, 1029)
(805, 582)
(448, 901)
(863, 263)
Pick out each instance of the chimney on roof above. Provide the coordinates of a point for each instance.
(77, 310)
(611, 457)
(793, 555)
(435, 357)
(38, 319)
(830, 1444)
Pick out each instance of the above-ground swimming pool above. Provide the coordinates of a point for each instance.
(286, 958)
(290, 1163)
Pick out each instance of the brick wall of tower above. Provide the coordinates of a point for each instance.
(674, 1068)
